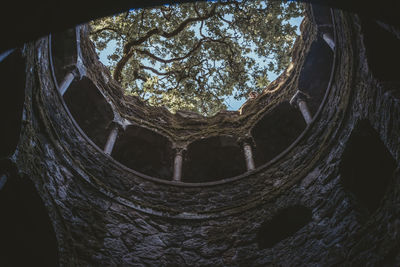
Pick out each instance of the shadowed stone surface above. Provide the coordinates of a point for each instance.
(276, 131)
(90, 110)
(213, 159)
(283, 225)
(25, 226)
(145, 151)
(106, 214)
(367, 167)
(12, 93)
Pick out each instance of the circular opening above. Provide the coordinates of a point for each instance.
(203, 57)
(283, 121)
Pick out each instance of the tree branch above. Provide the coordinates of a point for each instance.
(156, 71)
(127, 54)
(166, 61)
(188, 21)
(120, 65)
(107, 29)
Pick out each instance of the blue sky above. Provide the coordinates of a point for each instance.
(231, 103)
(234, 104)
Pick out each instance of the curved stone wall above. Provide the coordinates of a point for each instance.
(105, 213)
(12, 94)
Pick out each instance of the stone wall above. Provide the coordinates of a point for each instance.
(295, 210)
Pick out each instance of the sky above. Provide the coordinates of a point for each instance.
(234, 104)
(231, 102)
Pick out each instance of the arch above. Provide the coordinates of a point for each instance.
(276, 131)
(27, 234)
(64, 52)
(283, 225)
(212, 159)
(315, 73)
(366, 167)
(90, 110)
(144, 151)
(12, 96)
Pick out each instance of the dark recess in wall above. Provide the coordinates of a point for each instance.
(276, 131)
(12, 95)
(90, 110)
(315, 73)
(64, 51)
(366, 167)
(213, 159)
(144, 151)
(383, 51)
(27, 236)
(284, 224)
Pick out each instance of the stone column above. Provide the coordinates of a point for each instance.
(67, 81)
(178, 160)
(3, 180)
(112, 137)
(299, 101)
(329, 40)
(6, 54)
(248, 156)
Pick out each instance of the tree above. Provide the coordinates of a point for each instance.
(191, 56)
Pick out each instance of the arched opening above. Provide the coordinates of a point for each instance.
(90, 110)
(12, 96)
(366, 167)
(315, 73)
(382, 48)
(276, 131)
(27, 234)
(64, 52)
(283, 225)
(212, 159)
(144, 151)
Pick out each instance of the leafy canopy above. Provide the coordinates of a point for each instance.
(191, 56)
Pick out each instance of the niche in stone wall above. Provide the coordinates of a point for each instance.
(366, 167)
(27, 237)
(12, 95)
(90, 110)
(276, 131)
(144, 151)
(383, 53)
(212, 159)
(283, 225)
(64, 52)
(315, 73)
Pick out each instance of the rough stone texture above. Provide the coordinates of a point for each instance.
(106, 214)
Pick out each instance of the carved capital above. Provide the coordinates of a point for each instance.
(179, 149)
(298, 96)
(247, 140)
(324, 28)
(117, 125)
